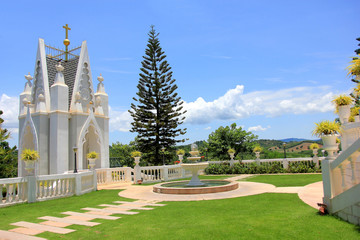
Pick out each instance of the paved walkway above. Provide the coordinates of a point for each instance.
(310, 194)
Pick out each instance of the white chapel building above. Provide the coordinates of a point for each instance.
(60, 112)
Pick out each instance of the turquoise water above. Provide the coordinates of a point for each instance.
(208, 183)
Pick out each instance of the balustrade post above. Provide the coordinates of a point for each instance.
(77, 184)
(128, 175)
(166, 173)
(315, 158)
(94, 179)
(257, 160)
(31, 189)
(326, 175)
(137, 170)
(285, 163)
(108, 176)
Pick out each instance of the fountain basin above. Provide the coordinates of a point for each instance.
(195, 168)
(182, 187)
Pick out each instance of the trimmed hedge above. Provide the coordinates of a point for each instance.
(264, 168)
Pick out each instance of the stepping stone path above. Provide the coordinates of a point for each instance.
(27, 230)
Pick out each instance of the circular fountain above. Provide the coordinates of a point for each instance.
(195, 186)
(194, 167)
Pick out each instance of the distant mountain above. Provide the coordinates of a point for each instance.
(294, 140)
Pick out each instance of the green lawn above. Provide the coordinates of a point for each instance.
(264, 216)
(292, 180)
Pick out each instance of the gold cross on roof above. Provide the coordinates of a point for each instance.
(66, 30)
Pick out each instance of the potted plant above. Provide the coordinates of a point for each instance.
(327, 130)
(231, 152)
(354, 68)
(29, 156)
(257, 150)
(354, 114)
(343, 103)
(92, 156)
(136, 155)
(314, 147)
(180, 153)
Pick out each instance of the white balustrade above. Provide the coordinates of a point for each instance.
(13, 190)
(113, 175)
(55, 186)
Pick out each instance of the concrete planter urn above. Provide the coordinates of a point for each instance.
(92, 156)
(232, 156)
(315, 151)
(181, 157)
(137, 160)
(29, 166)
(257, 154)
(92, 163)
(330, 144)
(344, 113)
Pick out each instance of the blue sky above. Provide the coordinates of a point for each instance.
(271, 67)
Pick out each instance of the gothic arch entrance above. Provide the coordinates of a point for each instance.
(90, 139)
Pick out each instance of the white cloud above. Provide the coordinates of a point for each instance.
(10, 108)
(258, 128)
(119, 120)
(207, 128)
(234, 104)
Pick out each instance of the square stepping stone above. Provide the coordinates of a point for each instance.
(43, 227)
(17, 236)
(80, 218)
(110, 210)
(90, 215)
(55, 224)
(68, 221)
(99, 213)
(27, 231)
(124, 207)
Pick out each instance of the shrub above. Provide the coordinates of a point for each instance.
(263, 168)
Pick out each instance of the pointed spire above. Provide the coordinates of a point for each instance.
(28, 84)
(100, 86)
(98, 108)
(59, 78)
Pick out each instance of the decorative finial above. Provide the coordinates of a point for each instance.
(59, 67)
(100, 78)
(28, 77)
(66, 41)
(91, 103)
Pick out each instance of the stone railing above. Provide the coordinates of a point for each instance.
(113, 175)
(15, 190)
(40, 188)
(340, 175)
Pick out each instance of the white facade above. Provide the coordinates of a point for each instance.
(60, 110)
